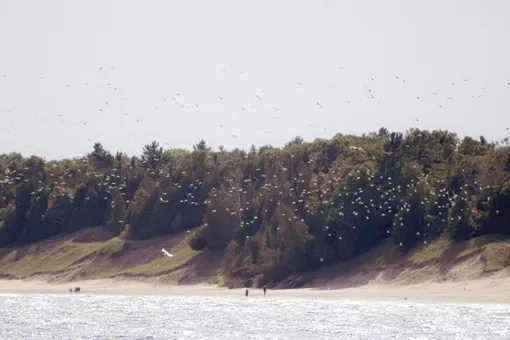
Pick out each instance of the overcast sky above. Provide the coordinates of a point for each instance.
(51, 53)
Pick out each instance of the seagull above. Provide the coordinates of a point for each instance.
(356, 148)
(166, 253)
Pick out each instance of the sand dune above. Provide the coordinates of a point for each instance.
(491, 290)
(477, 271)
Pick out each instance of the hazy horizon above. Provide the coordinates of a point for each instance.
(282, 69)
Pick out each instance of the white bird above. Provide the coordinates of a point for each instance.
(356, 148)
(166, 253)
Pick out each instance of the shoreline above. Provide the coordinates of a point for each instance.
(483, 291)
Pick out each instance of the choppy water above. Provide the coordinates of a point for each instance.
(154, 317)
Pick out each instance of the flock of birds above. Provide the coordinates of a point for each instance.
(257, 105)
(363, 196)
(238, 197)
(389, 199)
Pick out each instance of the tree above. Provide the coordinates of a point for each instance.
(117, 215)
(35, 228)
(409, 224)
(269, 211)
(460, 224)
(201, 146)
(102, 158)
(152, 155)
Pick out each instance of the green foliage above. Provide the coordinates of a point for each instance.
(271, 212)
(118, 213)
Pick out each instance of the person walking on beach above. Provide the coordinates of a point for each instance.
(246, 292)
(264, 291)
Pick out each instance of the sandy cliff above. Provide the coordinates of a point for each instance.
(474, 270)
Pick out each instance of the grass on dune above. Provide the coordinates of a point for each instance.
(496, 256)
(478, 244)
(218, 280)
(55, 259)
(431, 251)
(494, 250)
(100, 259)
(161, 264)
(114, 257)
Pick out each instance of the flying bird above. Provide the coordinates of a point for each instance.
(166, 253)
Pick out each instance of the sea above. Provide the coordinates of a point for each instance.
(87, 317)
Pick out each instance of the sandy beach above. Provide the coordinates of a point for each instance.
(476, 291)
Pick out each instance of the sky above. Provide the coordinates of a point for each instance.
(282, 68)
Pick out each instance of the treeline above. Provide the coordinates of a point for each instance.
(271, 211)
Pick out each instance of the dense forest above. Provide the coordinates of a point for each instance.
(271, 211)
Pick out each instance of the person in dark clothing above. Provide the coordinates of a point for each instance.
(246, 292)
(264, 291)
